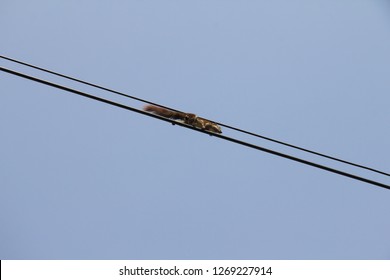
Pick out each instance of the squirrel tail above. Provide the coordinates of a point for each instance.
(164, 112)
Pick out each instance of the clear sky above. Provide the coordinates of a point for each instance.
(84, 180)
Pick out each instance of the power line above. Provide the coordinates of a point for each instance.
(83, 82)
(196, 129)
(221, 124)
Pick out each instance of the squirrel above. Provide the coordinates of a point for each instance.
(187, 118)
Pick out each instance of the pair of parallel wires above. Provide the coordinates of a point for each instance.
(234, 140)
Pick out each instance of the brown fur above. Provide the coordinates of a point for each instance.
(187, 118)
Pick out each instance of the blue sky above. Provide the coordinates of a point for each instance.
(83, 180)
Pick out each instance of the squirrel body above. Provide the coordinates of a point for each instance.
(187, 118)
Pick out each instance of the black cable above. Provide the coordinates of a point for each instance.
(84, 82)
(199, 130)
(221, 124)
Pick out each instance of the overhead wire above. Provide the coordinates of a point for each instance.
(172, 109)
(240, 142)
